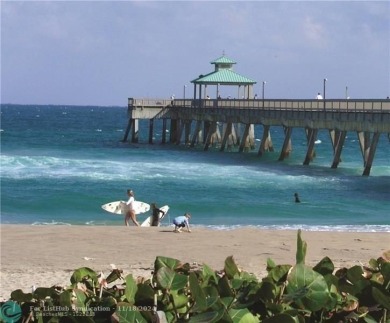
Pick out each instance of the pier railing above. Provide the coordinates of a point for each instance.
(363, 105)
(354, 115)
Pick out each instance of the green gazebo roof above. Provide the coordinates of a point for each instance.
(223, 77)
(223, 74)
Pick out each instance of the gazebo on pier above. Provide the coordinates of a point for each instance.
(223, 75)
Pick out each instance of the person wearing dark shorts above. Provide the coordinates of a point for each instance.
(181, 222)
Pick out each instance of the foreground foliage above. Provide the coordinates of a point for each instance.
(178, 293)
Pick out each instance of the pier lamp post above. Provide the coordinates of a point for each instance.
(184, 93)
(346, 93)
(262, 91)
(325, 79)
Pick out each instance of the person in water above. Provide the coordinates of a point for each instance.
(297, 200)
(156, 215)
(181, 222)
(130, 214)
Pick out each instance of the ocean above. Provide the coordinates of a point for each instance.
(59, 164)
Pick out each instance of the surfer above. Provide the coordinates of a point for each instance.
(297, 200)
(130, 214)
(156, 215)
(181, 222)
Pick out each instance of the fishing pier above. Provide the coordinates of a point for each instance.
(230, 122)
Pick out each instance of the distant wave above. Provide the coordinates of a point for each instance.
(50, 223)
(324, 228)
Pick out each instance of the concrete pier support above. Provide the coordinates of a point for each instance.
(132, 126)
(127, 131)
(151, 126)
(337, 138)
(164, 131)
(266, 141)
(286, 149)
(228, 127)
(212, 129)
(197, 133)
(311, 135)
(135, 132)
(368, 148)
(173, 132)
(187, 131)
(247, 141)
(179, 131)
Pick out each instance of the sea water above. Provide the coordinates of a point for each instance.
(59, 164)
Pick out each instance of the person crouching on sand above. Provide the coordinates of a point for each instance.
(130, 214)
(182, 221)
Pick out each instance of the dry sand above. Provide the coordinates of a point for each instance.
(47, 255)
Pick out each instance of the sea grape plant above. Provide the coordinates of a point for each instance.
(177, 292)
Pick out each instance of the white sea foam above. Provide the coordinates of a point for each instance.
(51, 223)
(326, 228)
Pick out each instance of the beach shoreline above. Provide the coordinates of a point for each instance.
(43, 256)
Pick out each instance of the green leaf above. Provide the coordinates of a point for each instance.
(301, 249)
(127, 314)
(131, 289)
(66, 299)
(168, 279)
(209, 275)
(212, 295)
(242, 316)
(308, 287)
(231, 268)
(83, 273)
(145, 294)
(369, 319)
(381, 298)
(19, 296)
(114, 275)
(209, 317)
(43, 292)
(180, 300)
(385, 271)
(279, 273)
(267, 292)
(227, 301)
(355, 276)
(270, 264)
(162, 262)
(198, 294)
(324, 267)
(79, 301)
(281, 318)
(373, 264)
(224, 287)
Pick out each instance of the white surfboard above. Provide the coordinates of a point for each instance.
(148, 221)
(120, 207)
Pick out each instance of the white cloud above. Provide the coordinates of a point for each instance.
(315, 33)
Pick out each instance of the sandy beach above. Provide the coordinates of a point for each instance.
(47, 255)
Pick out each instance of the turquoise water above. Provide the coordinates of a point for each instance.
(60, 163)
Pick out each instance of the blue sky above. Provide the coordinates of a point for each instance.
(102, 52)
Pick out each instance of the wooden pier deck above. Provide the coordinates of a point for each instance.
(368, 118)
